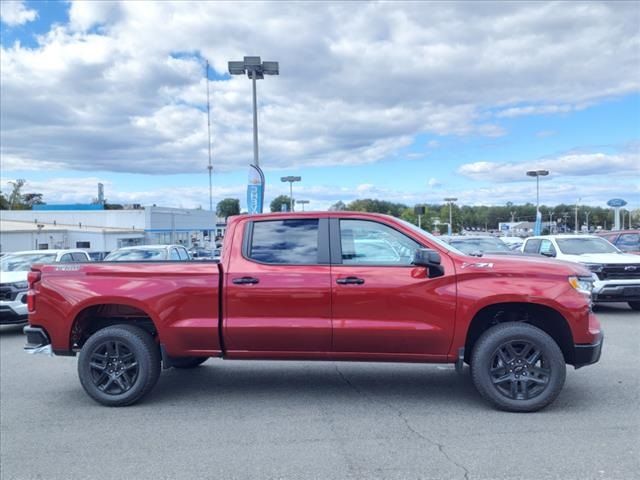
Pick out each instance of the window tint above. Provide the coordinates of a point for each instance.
(293, 242)
(547, 248)
(531, 246)
(580, 246)
(79, 257)
(66, 258)
(173, 254)
(629, 242)
(371, 243)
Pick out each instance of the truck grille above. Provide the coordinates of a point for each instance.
(7, 293)
(620, 272)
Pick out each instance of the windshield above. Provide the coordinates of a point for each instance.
(471, 245)
(141, 255)
(580, 246)
(22, 263)
(432, 238)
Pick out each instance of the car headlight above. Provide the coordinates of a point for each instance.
(583, 285)
(594, 267)
(21, 285)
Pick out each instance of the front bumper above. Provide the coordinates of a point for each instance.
(38, 342)
(15, 311)
(584, 355)
(616, 292)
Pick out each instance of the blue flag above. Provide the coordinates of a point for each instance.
(255, 190)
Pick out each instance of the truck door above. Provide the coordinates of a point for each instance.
(382, 304)
(278, 290)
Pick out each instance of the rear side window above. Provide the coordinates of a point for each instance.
(66, 258)
(79, 257)
(292, 242)
(531, 246)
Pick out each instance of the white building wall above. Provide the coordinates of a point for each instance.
(126, 219)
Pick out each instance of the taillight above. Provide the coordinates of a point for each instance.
(32, 278)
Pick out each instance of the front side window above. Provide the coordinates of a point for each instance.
(66, 258)
(173, 254)
(365, 242)
(292, 242)
(79, 257)
(547, 248)
(182, 253)
(629, 242)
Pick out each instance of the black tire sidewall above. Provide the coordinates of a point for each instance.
(484, 351)
(144, 349)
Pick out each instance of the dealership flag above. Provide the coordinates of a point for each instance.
(255, 190)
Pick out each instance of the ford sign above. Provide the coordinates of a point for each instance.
(616, 202)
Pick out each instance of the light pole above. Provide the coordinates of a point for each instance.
(575, 230)
(537, 174)
(303, 203)
(586, 214)
(450, 200)
(290, 179)
(255, 70)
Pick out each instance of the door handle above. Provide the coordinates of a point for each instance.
(245, 281)
(350, 281)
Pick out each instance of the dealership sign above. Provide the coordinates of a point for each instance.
(616, 202)
(255, 190)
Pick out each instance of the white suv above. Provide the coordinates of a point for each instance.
(14, 268)
(618, 272)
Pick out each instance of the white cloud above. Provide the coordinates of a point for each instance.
(114, 89)
(572, 165)
(14, 12)
(434, 183)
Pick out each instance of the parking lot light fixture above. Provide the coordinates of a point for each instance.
(255, 70)
(450, 201)
(290, 179)
(303, 203)
(537, 174)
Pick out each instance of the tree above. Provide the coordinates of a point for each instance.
(31, 199)
(15, 197)
(276, 203)
(338, 206)
(4, 202)
(228, 207)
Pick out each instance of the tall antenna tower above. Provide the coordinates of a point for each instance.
(210, 166)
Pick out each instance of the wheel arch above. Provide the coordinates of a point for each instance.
(544, 317)
(92, 318)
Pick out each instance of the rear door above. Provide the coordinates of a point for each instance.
(278, 291)
(382, 304)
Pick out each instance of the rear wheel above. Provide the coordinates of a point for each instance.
(634, 305)
(518, 367)
(187, 362)
(118, 365)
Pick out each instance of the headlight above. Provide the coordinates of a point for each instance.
(594, 267)
(582, 284)
(21, 285)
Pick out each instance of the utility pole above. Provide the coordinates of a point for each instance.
(575, 227)
(586, 214)
(550, 222)
(513, 216)
(210, 166)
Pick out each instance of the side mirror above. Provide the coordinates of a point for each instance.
(426, 257)
(548, 254)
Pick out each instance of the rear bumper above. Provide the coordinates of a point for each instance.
(584, 355)
(38, 342)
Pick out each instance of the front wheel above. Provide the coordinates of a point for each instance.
(517, 367)
(118, 365)
(634, 305)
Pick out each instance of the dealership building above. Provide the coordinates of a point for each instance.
(94, 228)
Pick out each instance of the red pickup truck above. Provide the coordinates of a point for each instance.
(321, 286)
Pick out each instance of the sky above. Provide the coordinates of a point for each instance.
(407, 102)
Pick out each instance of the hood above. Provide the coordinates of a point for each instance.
(519, 263)
(612, 258)
(13, 277)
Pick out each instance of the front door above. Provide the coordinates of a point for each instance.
(278, 291)
(382, 304)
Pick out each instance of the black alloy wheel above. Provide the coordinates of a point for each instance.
(114, 368)
(519, 370)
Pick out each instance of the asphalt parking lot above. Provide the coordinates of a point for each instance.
(298, 420)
